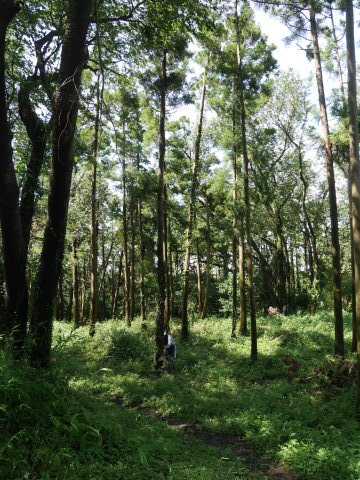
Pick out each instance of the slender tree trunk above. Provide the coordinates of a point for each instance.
(234, 224)
(208, 258)
(83, 294)
(167, 273)
(66, 102)
(280, 264)
(246, 193)
(342, 88)
(94, 280)
(314, 262)
(337, 53)
(355, 172)
(242, 323)
(125, 238)
(161, 266)
(14, 249)
(198, 276)
(60, 300)
(76, 302)
(142, 256)
(335, 245)
(171, 273)
(117, 288)
(194, 180)
(132, 257)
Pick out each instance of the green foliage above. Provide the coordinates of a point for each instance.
(70, 423)
(54, 430)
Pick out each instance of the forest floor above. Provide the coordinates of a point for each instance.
(101, 412)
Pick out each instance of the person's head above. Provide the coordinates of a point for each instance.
(172, 331)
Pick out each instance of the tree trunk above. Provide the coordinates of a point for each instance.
(335, 245)
(161, 266)
(66, 102)
(242, 322)
(188, 237)
(60, 300)
(280, 264)
(234, 225)
(142, 255)
(14, 250)
(314, 259)
(83, 293)
(37, 132)
(94, 293)
(117, 288)
(246, 192)
(208, 259)
(355, 172)
(125, 237)
(198, 278)
(76, 301)
(132, 257)
(167, 273)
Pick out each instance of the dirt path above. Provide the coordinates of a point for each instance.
(249, 455)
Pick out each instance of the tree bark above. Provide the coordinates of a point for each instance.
(246, 193)
(117, 288)
(208, 257)
(167, 312)
(94, 279)
(198, 278)
(14, 251)
(66, 102)
(125, 236)
(234, 224)
(37, 132)
(142, 253)
(335, 245)
(76, 301)
(161, 266)
(242, 322)
(355, 172)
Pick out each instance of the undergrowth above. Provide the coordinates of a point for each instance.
(68, 422)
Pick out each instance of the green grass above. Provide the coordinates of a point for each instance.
(69, 422)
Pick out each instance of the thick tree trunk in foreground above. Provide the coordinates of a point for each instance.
(66, 102)
(335, 245)
(189, 232)
(161, 266)
(355, 172)
(14, 250)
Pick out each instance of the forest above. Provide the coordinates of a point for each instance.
(163, 178)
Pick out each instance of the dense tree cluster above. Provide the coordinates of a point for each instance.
(113, 205)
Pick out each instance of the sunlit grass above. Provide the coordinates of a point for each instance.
(307, 424)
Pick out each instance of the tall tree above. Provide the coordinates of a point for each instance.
(355, 172)
(335, 244)
(65, 109)
(189, 231)
(11, 226)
